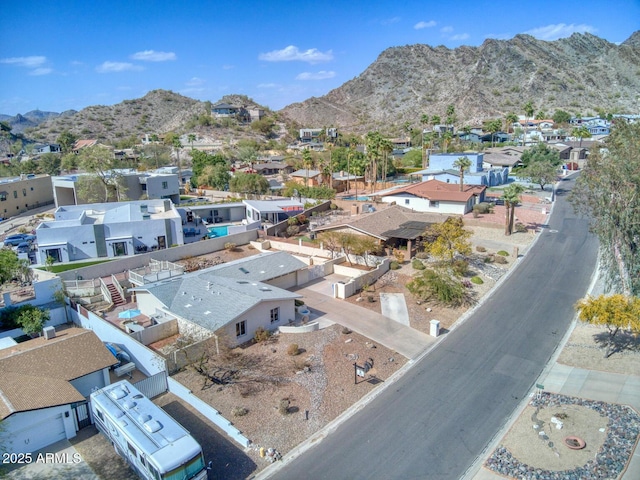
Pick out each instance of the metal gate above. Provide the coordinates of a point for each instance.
(82, 414)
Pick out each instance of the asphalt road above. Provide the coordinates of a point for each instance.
(438, 418)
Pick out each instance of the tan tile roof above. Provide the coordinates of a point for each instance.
(381, 221)
(36, 374)
(437, 190)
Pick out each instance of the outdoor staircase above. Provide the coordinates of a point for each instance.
(116, 298)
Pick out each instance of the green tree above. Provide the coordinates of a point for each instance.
(462, 164)
(511, 197)
(49, 163)
(493, 127)
(307, 162)
(413, 158)
(560, 117)
(249, 183)
(509, 119)
(99, 160)
(541, 153)
(364, 245)
(265, 126)
(607, 192)
(451, 115)
(447, 239)
(68, 162)
(31, 319)
(331, 241)
(216, 176)
(200, 160)
(66, 140)
(614, 312)
(8, 265)
(581, 132)
(192, 138)
(542, 173)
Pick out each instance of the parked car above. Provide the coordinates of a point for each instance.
(24, 247)
(18, 238)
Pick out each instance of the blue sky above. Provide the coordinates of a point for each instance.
(64, 54)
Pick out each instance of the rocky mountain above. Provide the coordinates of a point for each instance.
(580, 74)
(20, 122)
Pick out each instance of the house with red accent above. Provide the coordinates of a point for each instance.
(436, 197)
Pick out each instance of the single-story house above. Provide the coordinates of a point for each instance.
(272, 168)
(437, 197)
(310, 178)
(230, 301)
(392, 227)
(45, 384)
(501, 160)
(272, 211)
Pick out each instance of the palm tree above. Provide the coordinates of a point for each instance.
(509, 119)
(494, 127)
(307, 161)
(424, 121)
(373, 141)
(462, 164)
(192, 138)
(177, 145)
(511, 197)
(386, 147)
(581, 132)
(528, 112)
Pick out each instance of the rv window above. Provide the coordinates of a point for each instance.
(99, 414)
(132, 449)
(142, 461)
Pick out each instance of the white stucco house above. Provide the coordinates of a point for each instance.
(44, 387)
(230, 301)
(436, 197)
(441, 168)
(97, 230)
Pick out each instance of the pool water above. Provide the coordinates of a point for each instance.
(353, 197)
(215, 232)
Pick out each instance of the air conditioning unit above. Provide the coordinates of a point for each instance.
(49, 333)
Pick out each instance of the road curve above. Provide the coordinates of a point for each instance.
(437, 418)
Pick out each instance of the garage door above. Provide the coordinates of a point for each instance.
(38, 436)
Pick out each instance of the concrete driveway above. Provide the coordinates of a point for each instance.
(383, 330)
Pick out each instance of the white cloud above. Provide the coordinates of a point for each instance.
(559, 30)
(29, 62)
(459, 36)
(194, 82)
(446, 29)
(321, 75)
(421, 25)
(110, 67)
(153, 56)
(268, 85)
(292, 53)
(40, 71)
(390, 21)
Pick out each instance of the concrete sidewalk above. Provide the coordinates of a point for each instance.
(394, 335)
(589, 384)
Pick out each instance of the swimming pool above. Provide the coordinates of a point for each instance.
(353, 197)
(215, 232)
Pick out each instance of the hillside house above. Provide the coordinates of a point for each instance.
(441, 168)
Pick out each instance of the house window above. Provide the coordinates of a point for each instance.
(165, 185)
(406, 201)
(24, 192)
(3, 197)
(275, 314)
(434, 204)
(241, 328)
(15, 194)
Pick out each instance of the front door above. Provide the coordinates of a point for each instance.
(162, 242)
(119, 249)
(82, 415)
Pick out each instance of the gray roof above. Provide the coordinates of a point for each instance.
(215, 296)
(304, 173)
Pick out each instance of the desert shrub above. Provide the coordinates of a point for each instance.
(239, 411)
(500, 260)
(300, 364)
(489, 259)
(302, 219)
(261, 335)
(466, 283)
(399, 254)
(422, 255)
(520, 227)
(333, 206)
(292, 221)
(346, 330)
(230, 246)
(251, 247)
(292, 230)
(394, 266)
(482, 207)
(503, 253)
(417, 264)
(283, 407)
(481, 249)
(460, 267)
(477, 280)
(293, 350)
(298, 302)
(439, 285)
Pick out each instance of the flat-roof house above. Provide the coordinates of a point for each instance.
(231, 300)
(97, 230)
(44, 386)
(272, 211)
(441, 167)
(310, 178)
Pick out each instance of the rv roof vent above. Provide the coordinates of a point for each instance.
(49, 333)
(129, 404)
(144, 418)
(152, 426)
(117, 393)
